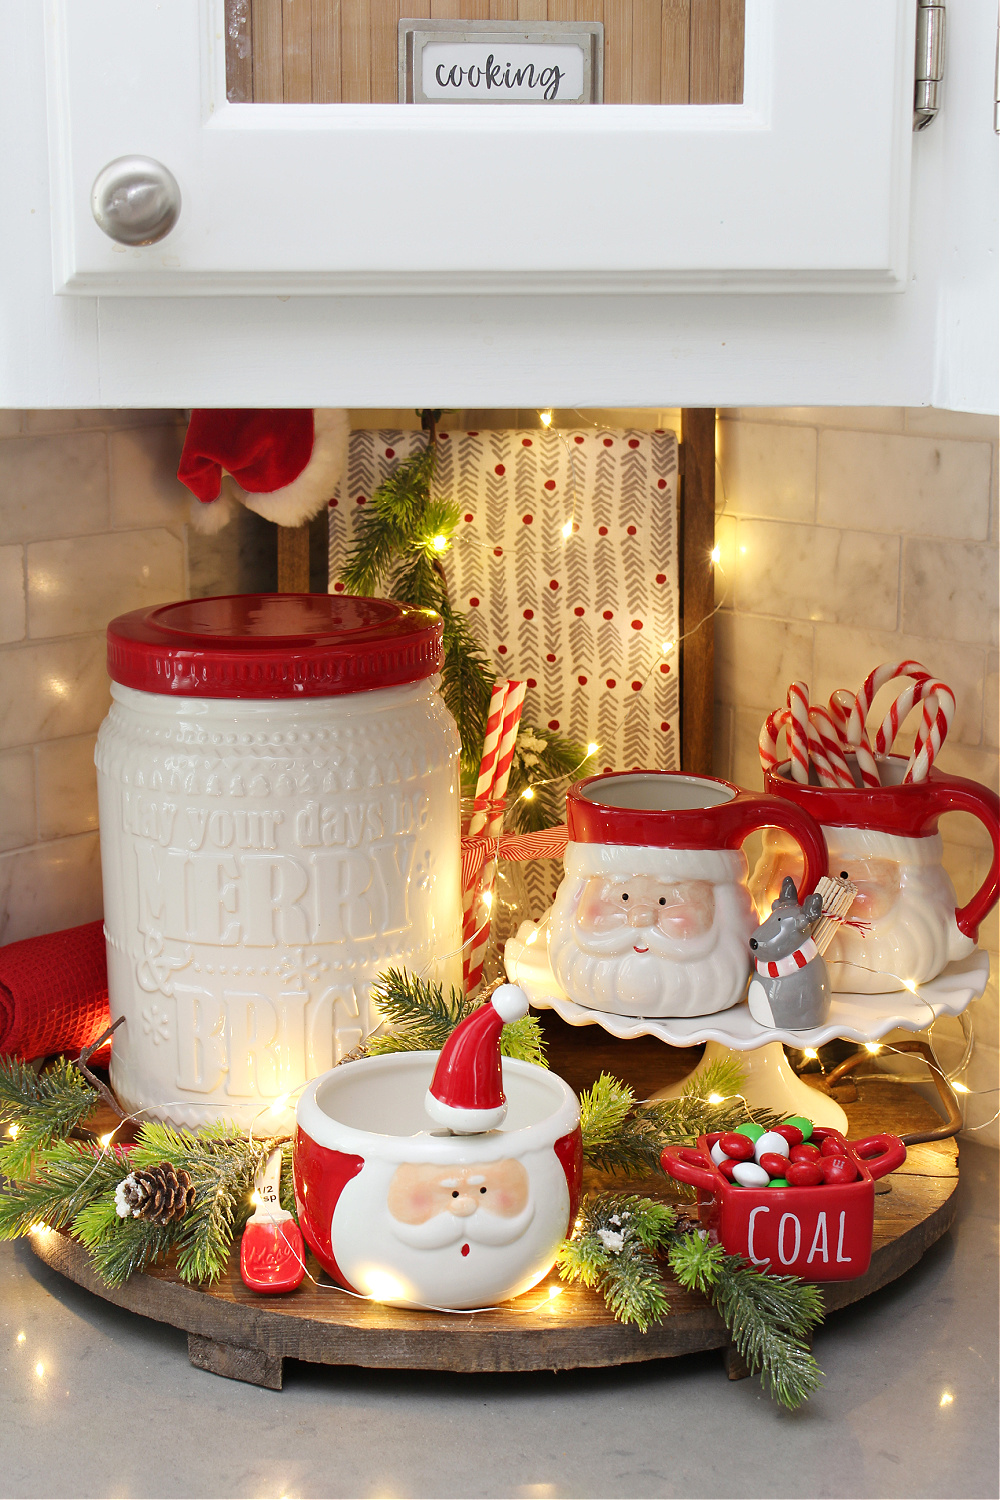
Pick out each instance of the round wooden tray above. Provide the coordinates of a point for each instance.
(237, 1333)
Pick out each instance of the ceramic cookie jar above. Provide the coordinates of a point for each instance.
(279, 808)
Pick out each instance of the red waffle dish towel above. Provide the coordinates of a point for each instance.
(54, 993)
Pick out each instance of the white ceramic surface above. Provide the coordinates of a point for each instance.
(264, 861)
(905, 900)
(859, 1018)
(435, 1219)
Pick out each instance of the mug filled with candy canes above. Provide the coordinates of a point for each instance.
(879, 813)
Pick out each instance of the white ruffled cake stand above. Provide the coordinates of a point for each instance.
(770, 1082)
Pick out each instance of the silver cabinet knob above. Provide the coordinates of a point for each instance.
(135, 200)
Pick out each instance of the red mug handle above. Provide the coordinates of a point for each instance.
(958, 794)
(687, 1166)
(752, 810)
(893, 1153)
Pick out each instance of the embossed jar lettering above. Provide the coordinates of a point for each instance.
(265, 859)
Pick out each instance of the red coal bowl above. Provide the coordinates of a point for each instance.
(820, 1233)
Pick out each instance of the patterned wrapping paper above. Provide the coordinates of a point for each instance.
(582, 618)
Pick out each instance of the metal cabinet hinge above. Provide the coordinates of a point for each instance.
(930, 62)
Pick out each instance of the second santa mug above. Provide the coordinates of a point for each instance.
(653, 916)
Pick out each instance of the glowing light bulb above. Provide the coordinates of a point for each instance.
(554, 1292)
(531, 938)
(715, 1098)
(279, 1103)
(715, 554)
(592, 748)
(742, 551)
(946, 1398)
(40, 1370)
(909, 984)
(104, 1141)
(12, 1131)
(487, 899)
(528, 793)
(873, 1047)
(545, 417)
(811, 1053)
(255, 1198)
(21, 1338)
(567, 528)
(439, 542)
(39, 1226)
(961, 1088)
(382, 1285)
(667, 647)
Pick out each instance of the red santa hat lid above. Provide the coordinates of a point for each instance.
(466, 1092)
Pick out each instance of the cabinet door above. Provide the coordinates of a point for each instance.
(804, 186)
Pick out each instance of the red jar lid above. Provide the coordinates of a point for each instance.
(274, 646)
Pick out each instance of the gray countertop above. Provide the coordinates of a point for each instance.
(99, 1402)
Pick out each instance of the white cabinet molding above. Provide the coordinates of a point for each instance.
(804, 187)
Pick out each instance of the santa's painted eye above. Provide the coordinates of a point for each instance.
(663, 900)
(455, 1193)
(482, 1190)
(625, 897)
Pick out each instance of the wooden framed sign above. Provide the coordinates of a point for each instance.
(501, 62)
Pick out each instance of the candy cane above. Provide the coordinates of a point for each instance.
(857, 734)
(767, 744)
(933, 729)
(797, 731)
(828, 755)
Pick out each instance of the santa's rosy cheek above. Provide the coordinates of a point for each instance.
(595, 912)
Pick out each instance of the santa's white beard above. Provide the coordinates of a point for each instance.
(914, 941)
(480, 1228)
(385, 1258)
(693, 977)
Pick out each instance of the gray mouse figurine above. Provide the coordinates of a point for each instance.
(791, 987)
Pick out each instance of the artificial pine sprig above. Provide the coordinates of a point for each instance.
(37, 1109)
(422, 1020)
(614, 1248)
(623, 1134)
(63, 1179)
(391, 520)
(222, 1164)
(768, 1317)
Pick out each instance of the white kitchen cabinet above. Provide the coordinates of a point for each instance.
(803, 247)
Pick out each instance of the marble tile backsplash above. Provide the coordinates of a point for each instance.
(850, 537)
(92, 523)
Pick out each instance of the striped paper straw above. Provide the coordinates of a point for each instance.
(513, 704)
(478, 821)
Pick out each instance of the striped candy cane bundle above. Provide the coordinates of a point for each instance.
(821, 739)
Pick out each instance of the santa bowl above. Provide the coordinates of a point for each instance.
(416, 1216)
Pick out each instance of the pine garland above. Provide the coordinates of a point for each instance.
(621, 1134)
(60, 1177)
(614, 1247)
(37, 1109)
(422, 1020)
(769, 1317)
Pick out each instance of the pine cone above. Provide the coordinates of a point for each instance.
(162, 1195)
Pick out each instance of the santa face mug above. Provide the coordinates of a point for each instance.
(423, 1216)
(905, 925)
(653, 916)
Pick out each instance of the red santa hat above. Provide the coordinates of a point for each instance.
(285, 463)
(466, 1092)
